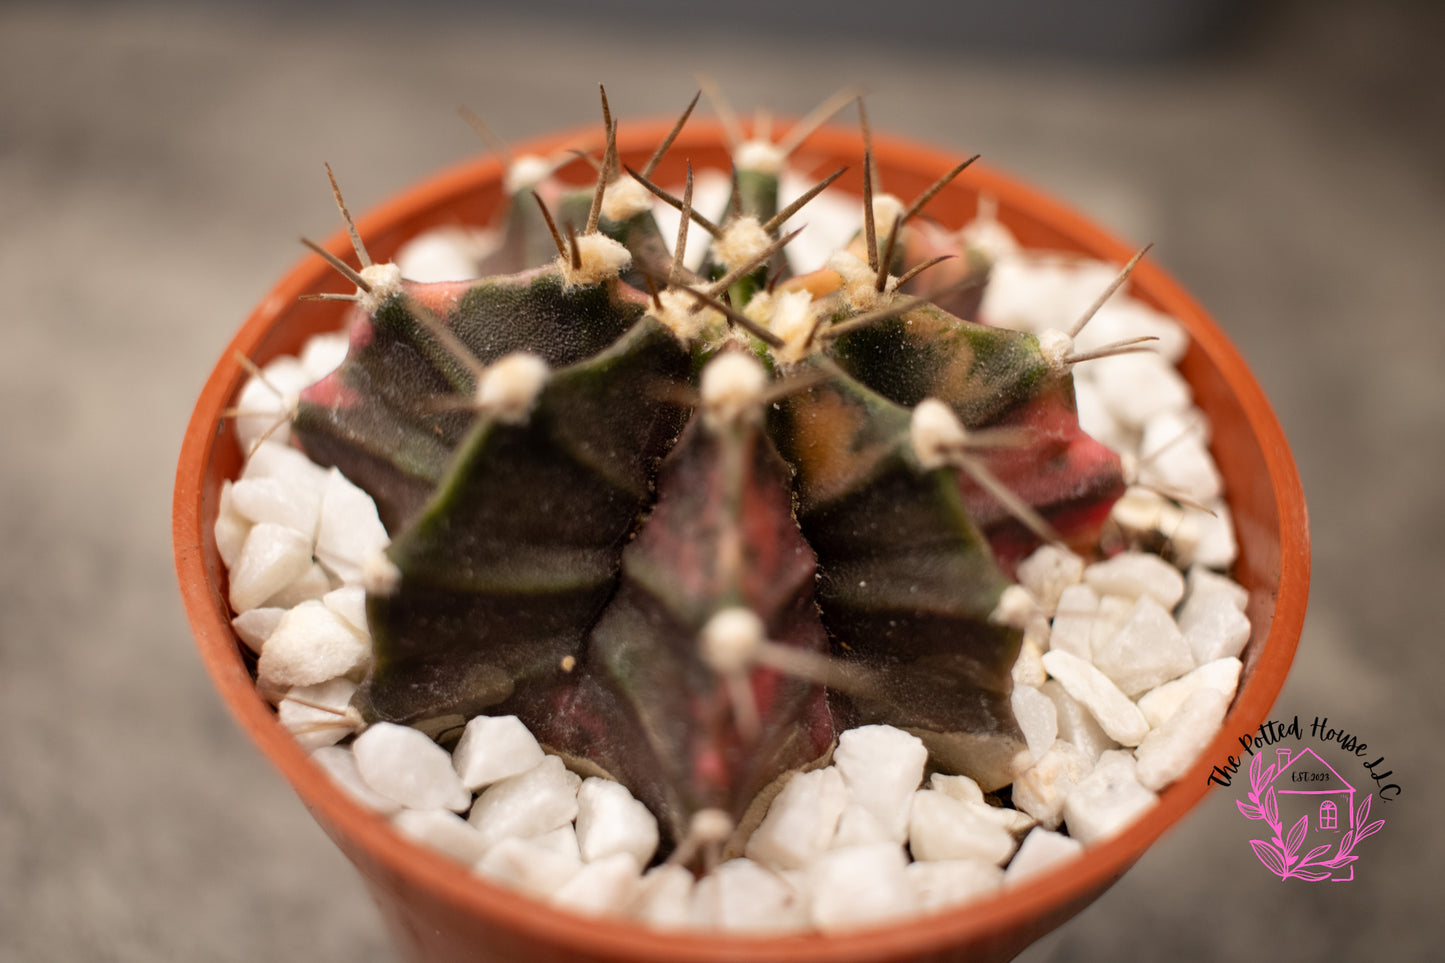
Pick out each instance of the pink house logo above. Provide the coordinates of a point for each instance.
(1325, 822)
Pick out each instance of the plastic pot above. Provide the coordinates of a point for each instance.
(434, 908)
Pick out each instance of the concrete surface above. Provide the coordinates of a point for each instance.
(157, 163)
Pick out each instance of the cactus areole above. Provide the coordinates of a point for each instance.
(690, 525)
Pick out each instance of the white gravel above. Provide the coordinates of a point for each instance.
(1127, 652)
(493, 748)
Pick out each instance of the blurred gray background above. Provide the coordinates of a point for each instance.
(157, 162)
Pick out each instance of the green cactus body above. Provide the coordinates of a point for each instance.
(995, 378)
(721, 537)
(569, 557)
(516, 553)
(908, 582)
(375, 417)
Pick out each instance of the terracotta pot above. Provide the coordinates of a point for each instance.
(435, 909)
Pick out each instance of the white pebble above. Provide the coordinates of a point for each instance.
(860, 886)
(961, 788)
(443, 830)
(801, 820)
(1122, 318)
(1116, 715)
(1117, 757)
(1031, 294)
(664, 897)
(311, 644)
(1077, 725)
(1016, 608)
(607, 886)
(231, 527)
(1107, 801)
(1217, 547)
(882, 766)
(349, 602)
(1221, 675)
(1042, 789)
(323, 354)
(1143, 515)
(279, 502)
(1113, 612)
(835, 223)
(339, 763)
(858, 826)
(271, 558)
(987, 236)
(1041, 850)
(1134, 574)
(528, 804)
(265, 410)
(275, 459)
(445, 254)
(941, 827)
(1010, 820)
(1213, 626)
(1135, 387)
(1201, 582)
(1074, 620)
(1036, 716)
(312, 584)
(1047, 572)
(702, 910)
(528, 865)
(403, 764)
(952, 881)
(1095, 418)
(610, 820)
(746, 897)
(562, 841)
(1147, 651)
(1168, 751)
(255, 626)
(493, 748)
(1028, 668)
(320, 715)
(349, 531)
(1173, 456)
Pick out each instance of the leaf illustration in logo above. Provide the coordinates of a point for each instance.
(1362, 812)
(1370, 830)
(1269, 856)
(1313, 875)
(1295, 838)
(1271, 807)
(1316, 852)
(1249, 811)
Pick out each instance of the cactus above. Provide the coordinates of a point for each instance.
(690, 526)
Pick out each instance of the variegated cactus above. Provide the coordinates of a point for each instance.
(688, 526)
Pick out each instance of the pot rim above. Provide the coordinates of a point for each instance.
(1056, 893)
